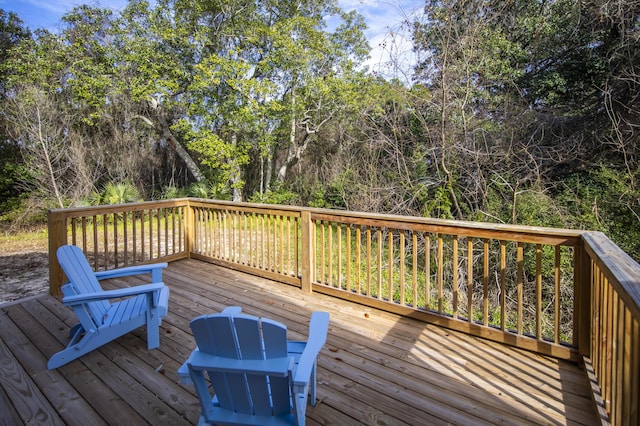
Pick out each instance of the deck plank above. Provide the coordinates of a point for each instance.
(70, 406)
(376, 368)
(29, 402)
(37, 322)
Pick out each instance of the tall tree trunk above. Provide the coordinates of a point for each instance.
(269, 173)
(235, 174)
(178, 148)
(291, 154)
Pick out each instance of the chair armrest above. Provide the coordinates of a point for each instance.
(273, 366)
(153, 268)
(112, 294)
(318, 329)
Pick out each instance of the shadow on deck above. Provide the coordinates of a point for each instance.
(376, 368)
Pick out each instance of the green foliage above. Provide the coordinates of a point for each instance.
(112, 193)
(279, 195)
(206, 189)
(198, 190)
(606, 199)
(94, 198)
(318, 197)
(440, 205)
(11, 173)
(119, 193)
(170, 192)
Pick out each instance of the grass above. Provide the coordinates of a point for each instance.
(35, 240)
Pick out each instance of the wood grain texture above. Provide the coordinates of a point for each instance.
(376, 368)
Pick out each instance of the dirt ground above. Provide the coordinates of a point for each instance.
(24, 267)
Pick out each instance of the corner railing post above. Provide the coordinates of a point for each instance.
(583, 283)
(57, 237)
(307, 253)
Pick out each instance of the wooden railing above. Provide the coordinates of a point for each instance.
(504, 283)
(260, 240)
(121, 235)
(614, 360)
(563, 293)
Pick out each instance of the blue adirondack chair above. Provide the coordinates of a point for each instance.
(258, 377)
(100, 320)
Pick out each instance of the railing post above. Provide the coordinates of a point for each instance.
(188, 229)
(57, 237)
(307, 251)
(582, 310)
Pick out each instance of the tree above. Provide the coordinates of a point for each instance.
(12, 33)
(470, 73)
(253, 59)
(41, 135)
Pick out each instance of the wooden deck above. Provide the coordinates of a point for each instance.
(377, 368)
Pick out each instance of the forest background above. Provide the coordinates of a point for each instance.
(519, 111)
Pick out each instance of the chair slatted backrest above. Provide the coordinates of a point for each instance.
(82, 279)
(245, 337)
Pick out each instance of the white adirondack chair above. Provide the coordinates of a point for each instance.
(258, 377)
(100, 320)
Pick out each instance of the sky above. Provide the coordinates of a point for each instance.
(388, 33)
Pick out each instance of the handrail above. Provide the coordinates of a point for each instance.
(564, 293)
(615, 325)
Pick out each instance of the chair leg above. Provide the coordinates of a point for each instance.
(153, 336)
(88, 343)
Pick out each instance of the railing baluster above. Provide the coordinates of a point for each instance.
(125, 236)
(323, 261)
(347, 231)
(158, 234)
(440, 274)
(105, 240)
(84, 234)
(401, 270)
(503, 284)
(330, 255)
(115, 240)
(143, 242)
(454, 267)
(379, 244)
(427, 273)
(369, 261)
(390, 265)
(485, 282)
(165, 217)
(470, 279)
(414, 275)
(520, 285)
(557, 296)
(73, 231)
(339, 256)
(95, 242)
(538, 291)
